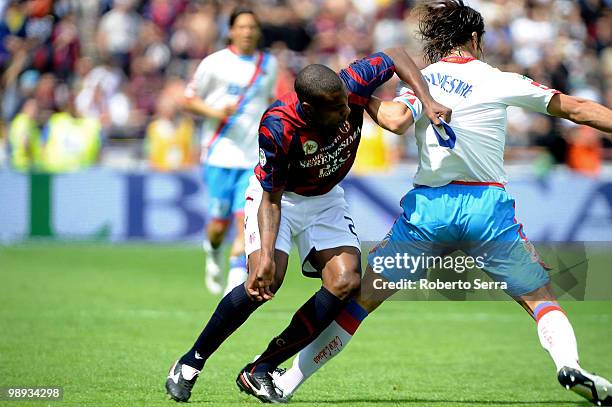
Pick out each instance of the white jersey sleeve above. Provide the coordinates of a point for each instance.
(407, 96)
(202, 78)
(521, 91)
(270, 86)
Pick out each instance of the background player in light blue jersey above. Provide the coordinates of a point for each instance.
(230, 89)
(459, 199)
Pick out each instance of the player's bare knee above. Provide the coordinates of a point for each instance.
(346, 284)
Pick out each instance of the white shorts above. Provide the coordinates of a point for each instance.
(312, 222)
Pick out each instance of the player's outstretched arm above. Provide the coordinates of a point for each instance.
(581, 111)
(268, 219)
(407, 71)
(390, 115)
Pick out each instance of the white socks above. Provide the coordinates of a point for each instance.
(554, 330)
(557, 335)
(213, 268)
(237, 274)
(328, 344)
(310, 359)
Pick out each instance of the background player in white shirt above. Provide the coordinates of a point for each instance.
(231, 89)
(459, 196)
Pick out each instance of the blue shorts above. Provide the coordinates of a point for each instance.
(477, 219)
(226, 189)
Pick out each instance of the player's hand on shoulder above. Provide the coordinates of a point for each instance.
(434, 111)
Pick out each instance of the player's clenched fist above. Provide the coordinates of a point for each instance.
(435, 111)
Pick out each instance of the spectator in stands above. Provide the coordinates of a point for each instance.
(118, 55)
(584, 152)
(170, 143)
(24, 138)
(163, 13)
(118, 32)
(66, 47)
(98, 88)
(71, 142)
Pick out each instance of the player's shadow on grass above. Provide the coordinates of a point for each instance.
(431, 401)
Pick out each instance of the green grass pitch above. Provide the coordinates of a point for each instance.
(106, 322)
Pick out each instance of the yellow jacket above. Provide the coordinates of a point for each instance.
(170, 144)
(24, 142)
(71, 143)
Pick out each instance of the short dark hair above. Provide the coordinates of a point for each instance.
(447, 24)
(239, 11)
(316, 82)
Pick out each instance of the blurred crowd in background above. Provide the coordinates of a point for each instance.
(101, 81)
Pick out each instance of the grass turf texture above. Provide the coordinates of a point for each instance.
(106, 323)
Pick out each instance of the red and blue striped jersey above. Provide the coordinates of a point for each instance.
(299, 158)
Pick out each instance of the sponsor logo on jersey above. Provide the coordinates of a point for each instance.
(262, 157)
(310, 147)
(331, 156)
(234, 89)
(345, 127)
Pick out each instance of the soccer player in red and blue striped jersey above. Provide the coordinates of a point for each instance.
(308, 140)
(309, 160)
